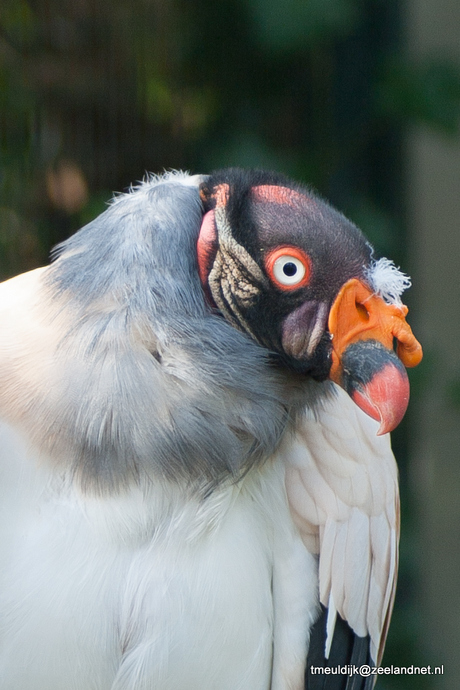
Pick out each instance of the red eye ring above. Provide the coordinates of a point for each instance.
(299, 264)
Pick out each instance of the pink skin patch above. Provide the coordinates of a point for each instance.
(279, 195)
(206, 247)
(385, 398)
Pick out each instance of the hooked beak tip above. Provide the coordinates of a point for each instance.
(385, 397)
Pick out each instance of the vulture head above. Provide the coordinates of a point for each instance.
(283, 266)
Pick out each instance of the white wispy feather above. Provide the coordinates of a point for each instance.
(387, 280)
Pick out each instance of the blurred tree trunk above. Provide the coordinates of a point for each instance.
(434, 198)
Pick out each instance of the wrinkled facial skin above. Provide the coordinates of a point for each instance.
(277, 261)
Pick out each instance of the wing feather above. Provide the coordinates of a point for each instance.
(341, 481)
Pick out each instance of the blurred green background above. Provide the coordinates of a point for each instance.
(358, 98)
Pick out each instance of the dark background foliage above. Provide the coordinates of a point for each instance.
(93, 94)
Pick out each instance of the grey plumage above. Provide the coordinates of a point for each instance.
(155, 379)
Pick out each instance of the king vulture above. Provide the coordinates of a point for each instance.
(197, 488)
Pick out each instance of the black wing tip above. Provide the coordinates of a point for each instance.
(348, 653)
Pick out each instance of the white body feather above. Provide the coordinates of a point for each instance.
(149, 589)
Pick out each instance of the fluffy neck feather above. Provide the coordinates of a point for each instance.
(153, 384)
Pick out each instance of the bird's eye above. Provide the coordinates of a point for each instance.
(288, 267)
(288, 270)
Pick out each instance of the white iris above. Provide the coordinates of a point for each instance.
(288, 270)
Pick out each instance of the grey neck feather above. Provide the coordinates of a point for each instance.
(157, 386)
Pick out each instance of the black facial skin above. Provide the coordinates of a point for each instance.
(337, 250)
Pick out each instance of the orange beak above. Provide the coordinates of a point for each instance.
(363, 328)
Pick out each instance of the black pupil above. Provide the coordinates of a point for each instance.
(289, 269)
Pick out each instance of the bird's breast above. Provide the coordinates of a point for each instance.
(150, 587)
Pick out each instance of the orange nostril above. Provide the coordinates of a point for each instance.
(362, 311)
